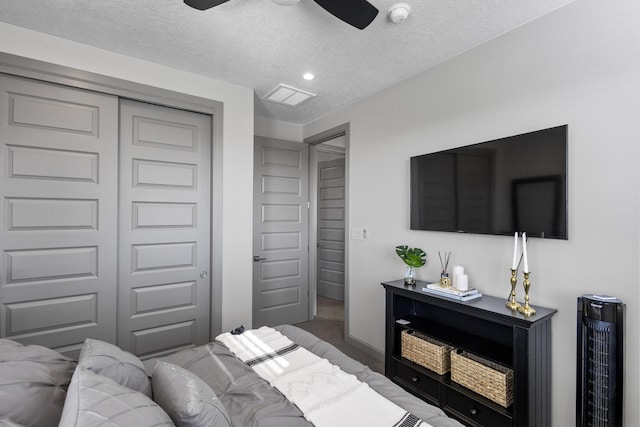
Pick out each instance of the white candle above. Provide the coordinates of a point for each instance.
(524, 252)
(457, 271)
(463, 282)
(515, 251)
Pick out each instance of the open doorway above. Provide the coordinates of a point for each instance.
(329, 289)
(327, 177)
(330, 231)
(330, 214)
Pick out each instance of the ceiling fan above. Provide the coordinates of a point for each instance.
(358, 13)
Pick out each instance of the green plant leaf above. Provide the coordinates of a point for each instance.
(413, 257)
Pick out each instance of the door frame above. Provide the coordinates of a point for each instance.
(314, 141)
(53, 73)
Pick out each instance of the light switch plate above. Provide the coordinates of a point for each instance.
(358, 233)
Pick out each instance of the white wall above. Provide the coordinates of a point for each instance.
(237, 143)
(579, 66)
(276, 129)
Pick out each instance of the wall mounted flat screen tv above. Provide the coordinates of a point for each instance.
(518, 183)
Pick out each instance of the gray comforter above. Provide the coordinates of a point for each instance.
(251, 401)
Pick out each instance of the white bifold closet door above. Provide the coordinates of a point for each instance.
(58, 218)
(164, 229)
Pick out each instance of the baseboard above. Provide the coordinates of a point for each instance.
(364, 347)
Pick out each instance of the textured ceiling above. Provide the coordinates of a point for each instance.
(258, 44)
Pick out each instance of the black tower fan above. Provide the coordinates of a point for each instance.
(600, 374)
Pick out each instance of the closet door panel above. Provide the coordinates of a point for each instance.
(164, 285)
(58, 218)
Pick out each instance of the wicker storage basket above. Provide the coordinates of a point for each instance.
(425, 351)
(489, 379)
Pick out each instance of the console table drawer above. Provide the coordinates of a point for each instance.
(418, 380)
(471, 410)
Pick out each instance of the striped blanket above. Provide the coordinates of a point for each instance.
(326, 395)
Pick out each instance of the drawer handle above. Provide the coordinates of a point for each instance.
(473, 411)
(415, 379)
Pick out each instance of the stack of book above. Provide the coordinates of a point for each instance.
(453, 293)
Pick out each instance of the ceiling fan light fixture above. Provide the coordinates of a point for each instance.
(286, 2)
(357, 13)
(399, 12)
(204, 4)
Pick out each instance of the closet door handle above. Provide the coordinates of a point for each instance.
(257, 258)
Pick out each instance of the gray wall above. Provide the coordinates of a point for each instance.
(579, 65)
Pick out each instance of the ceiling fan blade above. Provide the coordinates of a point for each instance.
(204, 4)
(358, 13)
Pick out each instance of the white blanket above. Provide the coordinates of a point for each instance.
(326, 395)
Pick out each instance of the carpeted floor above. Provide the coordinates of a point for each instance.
(328, 325)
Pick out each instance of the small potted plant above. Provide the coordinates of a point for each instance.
(413, 258)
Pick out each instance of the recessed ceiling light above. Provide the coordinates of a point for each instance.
(308, 76)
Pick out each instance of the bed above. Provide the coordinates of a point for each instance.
(251, 401)
(205, 385)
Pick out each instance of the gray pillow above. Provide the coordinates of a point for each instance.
(94, 399)
(33, 384)
(109, 360)
(7, 423)
(187, 399)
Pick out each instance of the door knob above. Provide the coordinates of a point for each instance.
(257, 258)
(203, 275)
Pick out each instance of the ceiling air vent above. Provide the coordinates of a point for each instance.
(287, 95)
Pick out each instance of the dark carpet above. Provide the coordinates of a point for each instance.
(328, 325)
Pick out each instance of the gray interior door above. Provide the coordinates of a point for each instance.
(58, 184)
(331, 229)
(281, 249)
(164, 230)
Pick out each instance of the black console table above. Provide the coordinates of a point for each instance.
(484, 327)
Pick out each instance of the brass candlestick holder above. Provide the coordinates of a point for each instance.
(527, 310)
(512, 303)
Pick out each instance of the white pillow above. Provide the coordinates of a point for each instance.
(187, 399)
(121, 366)
(94, 399)
(33, 384)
